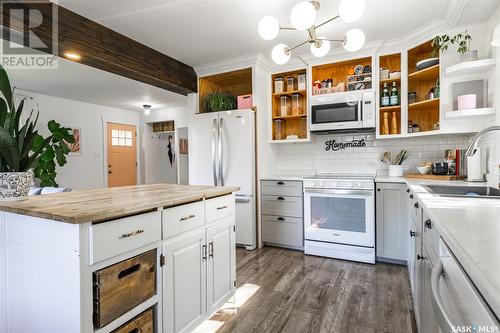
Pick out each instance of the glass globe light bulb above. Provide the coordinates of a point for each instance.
(303, 15)
(320, 48)
(269, 27)
(280, 55)
(351, 11)
(354, 40)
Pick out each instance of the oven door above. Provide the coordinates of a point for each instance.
(340, 216)
(335, 116)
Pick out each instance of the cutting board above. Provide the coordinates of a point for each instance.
(433, 177)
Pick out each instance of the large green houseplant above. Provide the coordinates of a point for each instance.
(25, 153)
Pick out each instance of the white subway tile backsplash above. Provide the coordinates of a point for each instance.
(313, 155)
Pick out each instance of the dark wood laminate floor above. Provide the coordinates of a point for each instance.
(299, 293)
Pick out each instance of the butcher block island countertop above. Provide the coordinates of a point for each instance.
(102, 204)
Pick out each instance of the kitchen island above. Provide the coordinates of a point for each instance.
(114, 260)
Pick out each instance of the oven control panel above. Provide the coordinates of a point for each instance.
(339, 184)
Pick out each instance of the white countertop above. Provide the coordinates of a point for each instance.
(471, 229)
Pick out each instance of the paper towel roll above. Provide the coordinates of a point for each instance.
(474, 167)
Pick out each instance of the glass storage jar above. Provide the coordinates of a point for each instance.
(290, 83)
(278, 85)
(303, 128)
(297, 104)
(285, 106)
(279, 131)
(301, 82)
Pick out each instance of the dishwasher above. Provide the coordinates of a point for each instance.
(457, 303)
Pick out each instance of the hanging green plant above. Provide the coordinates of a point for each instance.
(441, 43)
(220, 101)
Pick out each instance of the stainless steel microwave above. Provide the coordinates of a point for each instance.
(343, 111)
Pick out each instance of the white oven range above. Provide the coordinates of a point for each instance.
(339, 216)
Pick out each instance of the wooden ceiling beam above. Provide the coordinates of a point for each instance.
(105, 49)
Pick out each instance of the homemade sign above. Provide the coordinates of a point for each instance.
(333, 145)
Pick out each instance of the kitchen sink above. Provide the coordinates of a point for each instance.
(464, 191)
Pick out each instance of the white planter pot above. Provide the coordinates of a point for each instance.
(396, 171)
(15, 185)
(469, 56)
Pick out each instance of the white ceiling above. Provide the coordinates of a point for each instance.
(198, 32)
(83, 83)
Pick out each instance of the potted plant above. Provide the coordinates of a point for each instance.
(24, 153)
(462, 40)
(220, 101)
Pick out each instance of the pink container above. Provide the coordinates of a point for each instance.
(245, 101)
(467, 102)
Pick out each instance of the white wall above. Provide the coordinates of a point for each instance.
(85, 171)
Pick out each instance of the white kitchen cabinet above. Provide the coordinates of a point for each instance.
(220, 269)
(428, 321)
(199, 272)
(391, 222)
(185, 276)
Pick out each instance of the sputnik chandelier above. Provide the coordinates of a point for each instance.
(302, 17)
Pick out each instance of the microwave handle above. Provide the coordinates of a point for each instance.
(360, 110)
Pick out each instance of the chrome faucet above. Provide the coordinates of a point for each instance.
(471, 149)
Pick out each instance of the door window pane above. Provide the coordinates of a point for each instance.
(121, 138)
(343, 214)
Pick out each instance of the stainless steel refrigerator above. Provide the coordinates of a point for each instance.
(222, 152)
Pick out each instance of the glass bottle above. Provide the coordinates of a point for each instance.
(385, 96)
(394, 99)
(436, 89)
(296, 104)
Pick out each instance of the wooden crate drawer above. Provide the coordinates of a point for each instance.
(143, 323)
(179, 219)
(122, 286)
(283, 230)
(111, 238)
(282, 206)
(219, 208)
(282, 187)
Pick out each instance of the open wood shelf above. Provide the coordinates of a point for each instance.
(430, 73)
(390, 81)
(390, 108)
(303, 93)
(425, 104)
(236, 83)
(291, 124)
(290, 117)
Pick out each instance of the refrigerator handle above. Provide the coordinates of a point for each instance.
(214, 164)
(221, 156)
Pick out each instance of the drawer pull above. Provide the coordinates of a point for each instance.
(280, 219)
(221, 207)
(419, 257)
(130, 234)
(204, 252)
(416, 205)
(211, 249)
(185, 218)
(280, 183)
(413, 234)
(411, 196)
(428, 224)
(280, 198)
(129, 271)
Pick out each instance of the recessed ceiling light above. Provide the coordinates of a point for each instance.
(72, 55)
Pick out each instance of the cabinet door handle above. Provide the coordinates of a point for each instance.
(280, 198)
(211, 249)
(413, 234)
(428, 224)
(411, 196)
(204, 252)
(280, 219)
(130, 234)
(407, 190)
(416, 205)
(221, 207)
(185, 218)
(280, 183)
(419, 257)
(378, 190)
